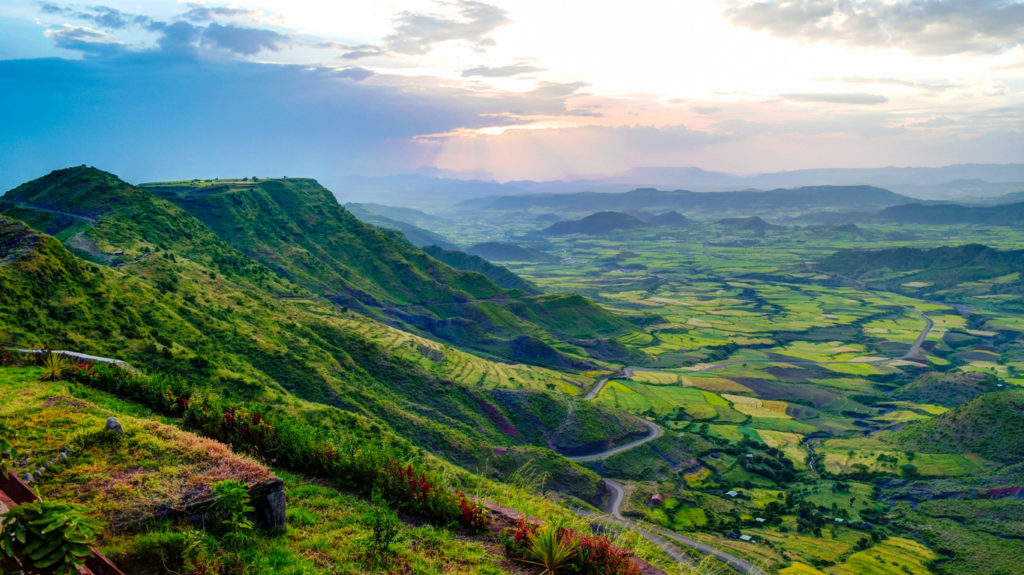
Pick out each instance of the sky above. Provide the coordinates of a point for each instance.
(505, 90)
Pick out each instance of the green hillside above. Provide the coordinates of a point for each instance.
(500, 275)
(949, 265)
(505, 252)
(671, 218)
(752, 223)
(416, 235)
(950, 272)
(948, 389)
(296, 228)
(181, 301)
(991, 426)
(595, 224)
(246, 343)
(105, 220)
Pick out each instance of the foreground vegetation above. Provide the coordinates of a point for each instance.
(133, 483)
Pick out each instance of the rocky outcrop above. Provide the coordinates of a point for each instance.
(268, 499)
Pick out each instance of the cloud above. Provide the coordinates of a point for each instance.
(355, 73)
(501, 71)
(102, 16)
(352, 51)
(873, 81)
(584, 113)
(556, 89)
(939, 122)
(176, 39)
(995, 88)
(363, 51)
(52, 8)
(924, 27)
(819, 121)
(417, 32)
(837, 98)
(244, 41)
(108, 17)
(84, 40)
(705, 110)
(201, 13)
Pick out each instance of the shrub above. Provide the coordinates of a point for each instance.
(474, 515)
(384, 524)
(553, 548)
(548, 547)
(597, 556)
(232, 504)
(46, 537)
(54, 366)
(517, 543)
(413, 490)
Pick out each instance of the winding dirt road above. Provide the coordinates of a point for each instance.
(668, 540)
(655, 432)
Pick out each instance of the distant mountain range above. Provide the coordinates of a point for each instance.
(778, 202)
(1006, 214)
(956, 182)
(891, 177)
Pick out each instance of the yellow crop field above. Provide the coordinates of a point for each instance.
(716, 384)
(655, 377)
(758, 407)
(896, 556)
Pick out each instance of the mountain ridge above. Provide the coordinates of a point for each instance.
(297, 228)
(239, 338)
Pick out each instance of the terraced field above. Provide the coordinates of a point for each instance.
(452, 363)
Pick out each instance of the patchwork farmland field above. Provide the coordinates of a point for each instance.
(769, 375)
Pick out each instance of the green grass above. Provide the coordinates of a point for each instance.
(155, 466)
(846, 456)
(662, 400)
